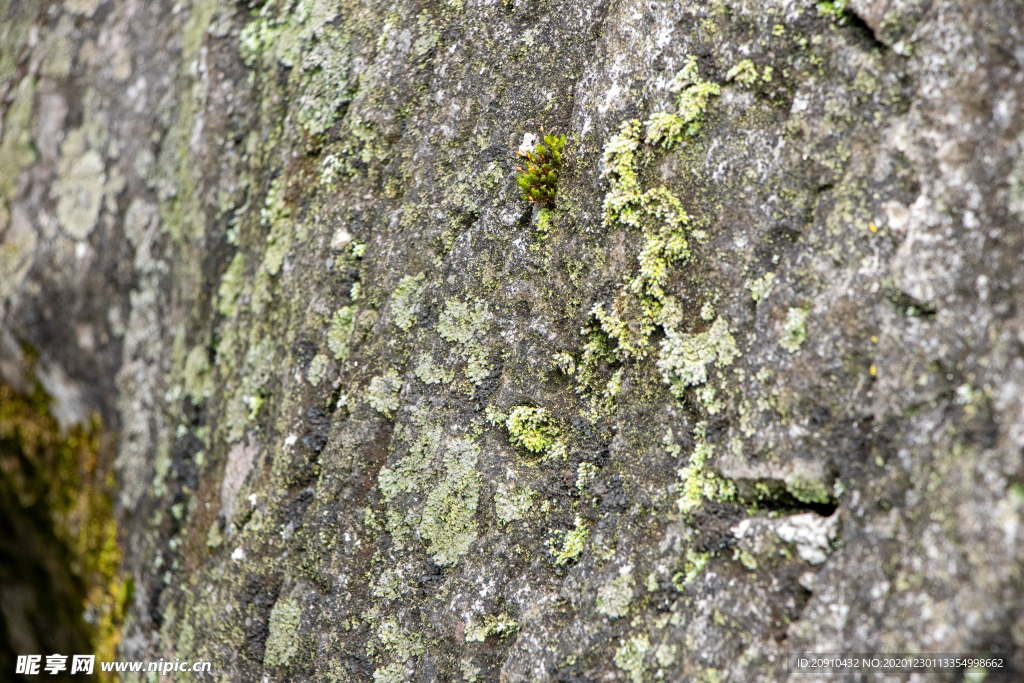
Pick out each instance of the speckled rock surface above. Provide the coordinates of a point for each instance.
(753, 385)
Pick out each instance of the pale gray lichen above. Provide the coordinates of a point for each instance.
(794, 329)
(614, 596)
(760, 287)
(449, 517)
(512, 502)
(382, 393)
(80, 184)
(429, 373)
(462, 325)
(317, 369)
(404, 300)
(684, 357)
(343, 324)
(282, 640)
(630, 656)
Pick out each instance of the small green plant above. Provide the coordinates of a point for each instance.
(539, 180)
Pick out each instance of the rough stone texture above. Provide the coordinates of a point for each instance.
(284, 241)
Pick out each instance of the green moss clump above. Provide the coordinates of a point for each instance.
(535, 430)
(383, 392)
(539, 180)
(282, 641)
(573, 543)
(67, 475)
(340, 335)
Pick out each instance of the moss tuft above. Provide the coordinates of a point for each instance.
(539, 180)
(535, 430)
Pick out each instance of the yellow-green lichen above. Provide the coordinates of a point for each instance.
(231, 286)
(462, 325)
(585, 474)
(382, 394)
(614, 596)
(761, 287)
(806, 488)
(404, 300)
(317, 369)
(340, 335)
(282, 639)
(501, 626)
(429, 373)
(744, 72)
(630, 657)
(697, 482)
(302, 36)
(449, 517)
(695, 563)
(794, 329)
(276, 215)
(392, 673)
(512, 502)
(684, 357)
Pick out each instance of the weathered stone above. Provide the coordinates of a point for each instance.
(751, 384)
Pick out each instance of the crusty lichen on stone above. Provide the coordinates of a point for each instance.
(794, 329)
(684, 358)
(382, 394)
(463, 325)
(512, 502)
(339, 336)
(614, 596)
(282, 639)
(404, 299)
(449, 517)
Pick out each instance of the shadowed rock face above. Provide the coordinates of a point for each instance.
(752, 386)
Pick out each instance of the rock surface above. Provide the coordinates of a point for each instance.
(753, 384)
